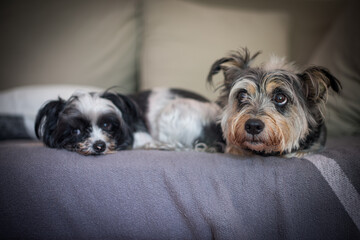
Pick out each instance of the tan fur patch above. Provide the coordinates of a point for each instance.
(271, 86)
(251, 89)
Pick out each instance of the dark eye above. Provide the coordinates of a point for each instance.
(242, 95)
(106, 126)
(75, 132)
(280, 99)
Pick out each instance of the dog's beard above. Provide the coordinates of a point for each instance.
(269, 141)
(280, 134)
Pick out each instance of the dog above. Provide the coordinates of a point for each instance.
(178, 119)
(274, 109)
(90, 123)
(101, 123)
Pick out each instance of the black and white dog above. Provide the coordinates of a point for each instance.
(89, 123)
(179, 120)
(100, 123)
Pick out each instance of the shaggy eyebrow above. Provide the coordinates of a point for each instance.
(107, 116)
(79, 120)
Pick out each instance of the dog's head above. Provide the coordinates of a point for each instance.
(88, 123)
(273, 109)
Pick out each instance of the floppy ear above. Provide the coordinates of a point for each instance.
(236, 61)
(129, 109)
(316, 83)
(46, 120)
(217, 67)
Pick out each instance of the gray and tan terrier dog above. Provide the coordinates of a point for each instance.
(274, 109)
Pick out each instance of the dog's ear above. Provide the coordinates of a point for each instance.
(47, 119)
(217, 66)
(236, 61)
(129, 109)
(317, 81)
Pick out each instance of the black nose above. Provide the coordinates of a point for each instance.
(254, 126)
(99, 146)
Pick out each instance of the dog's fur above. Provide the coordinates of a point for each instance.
(274, 109)
(180, 120)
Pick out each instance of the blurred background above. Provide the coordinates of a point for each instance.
(48, 46)
(142, 44)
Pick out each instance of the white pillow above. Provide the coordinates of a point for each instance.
(26, 101)
(182, 39)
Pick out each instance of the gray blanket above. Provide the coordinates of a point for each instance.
(55, 194)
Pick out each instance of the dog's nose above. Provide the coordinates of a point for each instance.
(99, 146)
(254, 126)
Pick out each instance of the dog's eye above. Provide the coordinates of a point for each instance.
(280, 99)
(75, 132)
(242, 95)
(106, 126)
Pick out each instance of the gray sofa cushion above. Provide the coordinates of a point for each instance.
(55, 194)
(12, 127)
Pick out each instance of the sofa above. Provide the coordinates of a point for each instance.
(52, 48)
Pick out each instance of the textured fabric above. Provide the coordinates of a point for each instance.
(340, 184)
(55, 194)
